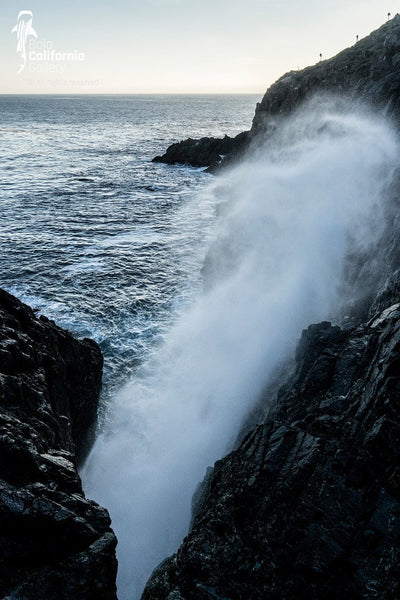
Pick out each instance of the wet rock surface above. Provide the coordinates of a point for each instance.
(54, 543)
(308, 506)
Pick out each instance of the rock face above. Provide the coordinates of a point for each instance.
(54, 544)
(308, 506)
(370, 69)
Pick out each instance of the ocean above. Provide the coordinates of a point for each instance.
(93, 234)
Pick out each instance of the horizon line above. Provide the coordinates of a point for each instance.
(131, 93)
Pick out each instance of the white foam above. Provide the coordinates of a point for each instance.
(277, 261)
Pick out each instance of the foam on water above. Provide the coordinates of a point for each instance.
(95, 235)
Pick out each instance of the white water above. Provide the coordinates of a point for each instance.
(276, 265)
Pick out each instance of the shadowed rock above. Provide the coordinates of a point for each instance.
(205, 152)
(308, 506)
(54, 543)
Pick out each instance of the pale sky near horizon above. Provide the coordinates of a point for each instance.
(178, 46)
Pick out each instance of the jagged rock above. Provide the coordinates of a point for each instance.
(54, 543)
(205, 152)
(308, 506)
(369, 70)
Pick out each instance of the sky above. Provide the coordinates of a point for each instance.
(176, 46)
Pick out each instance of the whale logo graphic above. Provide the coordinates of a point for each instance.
(23, 29)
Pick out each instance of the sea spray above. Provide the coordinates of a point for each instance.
(287, 218)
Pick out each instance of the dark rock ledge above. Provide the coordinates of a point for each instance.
(204, 152)
(54, 543)
(369, 70)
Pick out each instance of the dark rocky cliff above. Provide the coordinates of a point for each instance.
(307, 506)
(54, 543)
(369, 70)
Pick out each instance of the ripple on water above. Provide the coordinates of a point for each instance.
(94, 234)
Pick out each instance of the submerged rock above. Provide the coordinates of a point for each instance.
(54, 543)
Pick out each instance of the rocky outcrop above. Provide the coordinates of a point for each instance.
(54, 543)
(204, 152)
(308, 506)
(369, 70)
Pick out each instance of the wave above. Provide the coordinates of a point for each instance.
(288, 217)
